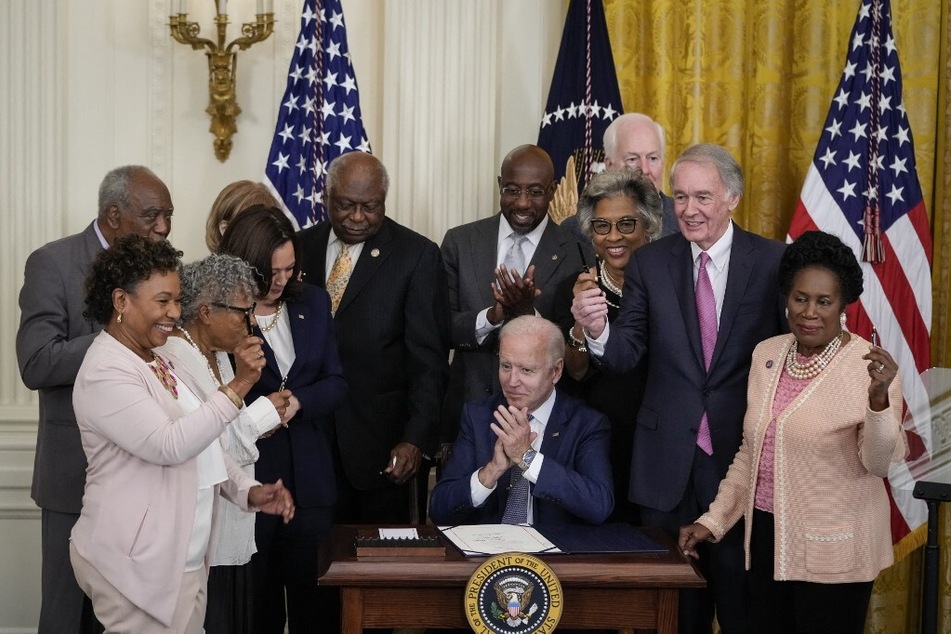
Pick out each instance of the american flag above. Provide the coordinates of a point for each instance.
(863, 186)
(584, 96)
(319, 117)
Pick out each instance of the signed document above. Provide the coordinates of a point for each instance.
(491, 539)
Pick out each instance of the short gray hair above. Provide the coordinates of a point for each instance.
(717, 156)
(116, 186)
(534, 326)
(343, 161)
(217, 278)
(609, 140)
(628, 184)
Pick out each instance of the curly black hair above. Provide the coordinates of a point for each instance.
(817, 248)
(127, 263)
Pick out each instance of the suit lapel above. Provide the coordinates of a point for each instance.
(548, 254)
(484, 246)
(554, 430)
(318, 255)
(375, 252)
(742, 260)
(681, 277)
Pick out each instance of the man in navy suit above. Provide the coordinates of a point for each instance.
(533, 433)
(392, 330)
(689, 426)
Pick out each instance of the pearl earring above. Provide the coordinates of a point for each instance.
(842, 321)
(119, 318)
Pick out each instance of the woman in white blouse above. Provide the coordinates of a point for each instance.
(217, 313)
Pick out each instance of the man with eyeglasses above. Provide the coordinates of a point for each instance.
(636, 142)
(500, 268)
(51, 342)
(391, 320)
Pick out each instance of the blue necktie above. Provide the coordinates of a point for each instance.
(516, 507)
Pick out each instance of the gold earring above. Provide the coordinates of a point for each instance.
(119, 318)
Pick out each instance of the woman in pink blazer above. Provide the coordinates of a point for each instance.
(138, 549)
(822, 426)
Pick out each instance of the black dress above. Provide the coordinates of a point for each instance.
(617, 396)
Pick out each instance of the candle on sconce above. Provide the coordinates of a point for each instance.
(182, 8)
(260, 9)
(222, 7)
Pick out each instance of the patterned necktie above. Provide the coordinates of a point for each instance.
(516, 507)
(339, 276)
(707, 312)
(514, 257)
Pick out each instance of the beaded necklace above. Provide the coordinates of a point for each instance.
(815, 364)
(211, 371)
(608, 282)
(273, 323)
(161, 369)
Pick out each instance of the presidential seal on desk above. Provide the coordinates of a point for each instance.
(513, 593)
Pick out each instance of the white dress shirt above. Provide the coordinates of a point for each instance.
(504, 243)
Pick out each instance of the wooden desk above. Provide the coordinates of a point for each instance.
(601, 591)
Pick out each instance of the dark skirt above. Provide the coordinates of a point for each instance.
(229, 600)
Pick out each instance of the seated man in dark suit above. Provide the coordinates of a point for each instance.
(532, 455)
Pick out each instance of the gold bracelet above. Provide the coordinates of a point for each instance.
(232, 396)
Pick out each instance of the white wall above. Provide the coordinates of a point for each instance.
(447, 88)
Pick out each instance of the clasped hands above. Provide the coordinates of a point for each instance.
(514, 436)
(589, 306)
(273, 499)
(514, 294)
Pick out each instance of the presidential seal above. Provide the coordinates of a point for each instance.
(513, 593)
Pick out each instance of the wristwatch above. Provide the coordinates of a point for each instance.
(527, 458)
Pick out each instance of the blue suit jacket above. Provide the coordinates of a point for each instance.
(574, 485)
(658, 318)
(301, 453)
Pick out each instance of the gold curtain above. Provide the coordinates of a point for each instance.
(758, 77)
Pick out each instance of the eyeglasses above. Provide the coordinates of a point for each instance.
(602, 227)
(535, 193)
(247, 313)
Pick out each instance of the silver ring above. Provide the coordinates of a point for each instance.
(686, 552)
(880, 368)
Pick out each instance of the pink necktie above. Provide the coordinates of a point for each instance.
(707, 312)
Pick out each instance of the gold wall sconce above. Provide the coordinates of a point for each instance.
(222, 61)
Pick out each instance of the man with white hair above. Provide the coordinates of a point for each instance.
(634, 141)
(532, 454)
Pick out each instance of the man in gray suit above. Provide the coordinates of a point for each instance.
(499, 268)
(51, 342)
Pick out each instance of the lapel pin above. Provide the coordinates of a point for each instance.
(769, 364)
(300, 316)
(554, 257)
(375, 253)
(555, 434)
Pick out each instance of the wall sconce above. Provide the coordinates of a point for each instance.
(222, 62)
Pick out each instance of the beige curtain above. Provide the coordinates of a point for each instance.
(758, 77)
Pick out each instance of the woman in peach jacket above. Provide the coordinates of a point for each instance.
(822, 426)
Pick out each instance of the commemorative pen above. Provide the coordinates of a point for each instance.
(584, 261)
(876, 340)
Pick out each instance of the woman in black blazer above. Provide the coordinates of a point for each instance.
(294, 320)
